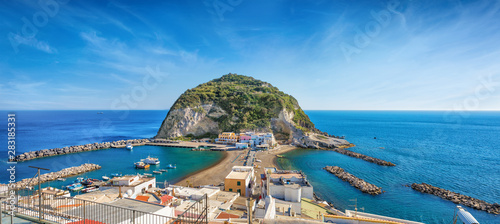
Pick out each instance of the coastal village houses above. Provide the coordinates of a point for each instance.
(241, 179)
(254, 140)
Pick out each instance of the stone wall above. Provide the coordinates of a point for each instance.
(356, 182)
(457, 198)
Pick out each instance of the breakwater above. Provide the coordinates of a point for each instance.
(75, 149)
(356, 182)
(70, 171)
(361, 156)
(457, 198)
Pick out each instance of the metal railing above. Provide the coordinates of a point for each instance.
(196, 213)
(61, 209)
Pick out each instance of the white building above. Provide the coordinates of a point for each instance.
(260, 139)
(241, 145)
(131, 185)
(286, 185)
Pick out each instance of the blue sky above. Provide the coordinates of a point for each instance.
(330, 55)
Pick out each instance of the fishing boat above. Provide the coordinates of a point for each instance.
(75, 187)
(129, 146)
(170, 166)
(141, 165)
(87, 181)
(151, 160)
(105, 178)
(78, 180)
(157, 172)
(61, 179)
(89, 189)
(116, 174)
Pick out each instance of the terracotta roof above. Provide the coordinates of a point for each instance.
(142, 198)
(224, 215)
(165, 198)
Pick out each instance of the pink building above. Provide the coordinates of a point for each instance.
(245, 138)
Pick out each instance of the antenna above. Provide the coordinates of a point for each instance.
(355, 206)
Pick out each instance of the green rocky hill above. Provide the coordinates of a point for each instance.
(236, 103)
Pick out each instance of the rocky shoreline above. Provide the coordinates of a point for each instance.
(356, 182)
(75, 149)
(70, 171)
(457, 198)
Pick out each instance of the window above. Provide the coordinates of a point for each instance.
(230, 189)
(238, 183)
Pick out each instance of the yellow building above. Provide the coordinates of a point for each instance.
(241, 179)
(228, 138)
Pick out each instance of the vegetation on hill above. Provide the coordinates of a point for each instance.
(249, 103)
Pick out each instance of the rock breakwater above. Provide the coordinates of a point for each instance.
(363, 157)
(74, 149)
(356, 182)
(457, 198)
(70, 171)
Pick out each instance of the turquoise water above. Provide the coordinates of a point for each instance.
(463, 157)
(48, 129)
(456, 153)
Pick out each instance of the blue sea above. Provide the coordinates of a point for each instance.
(455, 151)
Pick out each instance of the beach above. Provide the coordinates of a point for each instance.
(216, 173)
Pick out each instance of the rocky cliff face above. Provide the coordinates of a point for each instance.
(239, 103)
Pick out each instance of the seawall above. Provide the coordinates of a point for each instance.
(76, 149)
(356, 182)
(361, 156)
(457, 198)
(70, 171)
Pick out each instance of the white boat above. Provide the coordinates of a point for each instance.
(105, 178)
(61, 179)
(129, 146)
(148, 174)
(151, 160)
(157, 172)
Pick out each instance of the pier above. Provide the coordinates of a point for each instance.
(70, 171)
(356, 182)
(457, 198)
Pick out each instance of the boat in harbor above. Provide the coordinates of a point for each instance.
(129, 146)
(88, 181)
(75, 187)
(116, 174)
(141, 165)
(170, 166)
(61, 179)
(163, 170)
(89, 189)
(105, 178)
(148, 174)
(151, 160)
(157, 172)
(78, 180)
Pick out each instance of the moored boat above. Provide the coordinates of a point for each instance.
(163, 170)
(89, 189)
(75, 187)
(105, 178)
(116, 174)
(148, 174)
(78, 180)
(157, 172)
(129, 146)
(87, 181)
(170, 166)
(61, 179)
(151, 160)
(141, 165)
